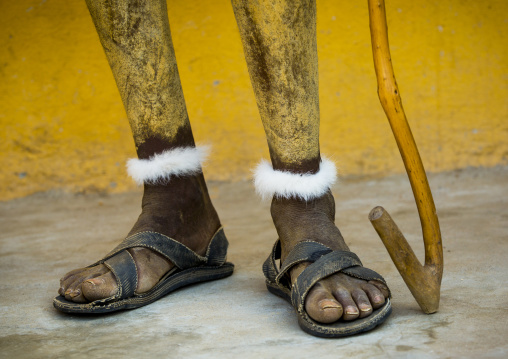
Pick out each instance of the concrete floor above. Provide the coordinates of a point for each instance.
(45, 235)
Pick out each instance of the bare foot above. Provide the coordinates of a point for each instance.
(181, 210)
(339, 295)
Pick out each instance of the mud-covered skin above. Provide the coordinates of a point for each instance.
(182, 210)
(280, 46)
(338, 295)
(137, 41)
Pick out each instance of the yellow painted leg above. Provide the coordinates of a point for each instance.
(137, 41)
(279, 42)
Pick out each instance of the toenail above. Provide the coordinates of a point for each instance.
(366, 310)
(378, 299)
(75, 293)
(326, 304)
(351, 311)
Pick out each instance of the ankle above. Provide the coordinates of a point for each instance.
(298, 220)
(175, 199)
(180, 209)
(303, 207)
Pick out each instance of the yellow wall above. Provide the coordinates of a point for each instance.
(62, 123)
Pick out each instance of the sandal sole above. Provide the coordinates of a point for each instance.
(340, 328)
(165, 286)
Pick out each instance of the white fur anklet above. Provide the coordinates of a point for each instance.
(284, 184)
(159, 168)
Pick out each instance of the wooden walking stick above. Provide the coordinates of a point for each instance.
(424, 282)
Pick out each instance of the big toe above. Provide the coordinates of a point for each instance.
(321, 305)
(100, 287)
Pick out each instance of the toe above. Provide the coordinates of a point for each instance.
(74, 294)
(71, 274)
(362, 302)
(321, 305)
(100, 287)
(344, 298)
(69, 280)
(383, 288)
(67, 294)
(376, 296)
(76, 277)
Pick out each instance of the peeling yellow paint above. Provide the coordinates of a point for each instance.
(63, 125)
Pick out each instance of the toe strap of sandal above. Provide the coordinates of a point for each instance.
(123, 267)
(334, 262)
(331, 263)
(305, 251)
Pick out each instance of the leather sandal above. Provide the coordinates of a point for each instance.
(189, 268)
(325, 262)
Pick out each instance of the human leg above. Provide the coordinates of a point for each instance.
(137, 41)
(279, 41)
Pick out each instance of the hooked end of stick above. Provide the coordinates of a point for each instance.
(420, 280)
(376, 213)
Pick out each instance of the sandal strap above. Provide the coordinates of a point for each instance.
(217, 249)
(269, 266)
(365, 274)
(331, 263)
(124, 269)
(180, 255)
(123, 266)
(306, 251)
